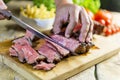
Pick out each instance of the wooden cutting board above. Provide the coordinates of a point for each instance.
(108, 46)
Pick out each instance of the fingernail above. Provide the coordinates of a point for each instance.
(81, 39)
(66, 35)
(55, 32)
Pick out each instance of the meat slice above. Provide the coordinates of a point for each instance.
(61, 50)
(53, 48)
(26, 40)
(70, 43)
(29, 35)
(73, 44)
(13, 52)
(18, 49)
(48, 52)
(22, 41)
(44, 66)
(31, 55)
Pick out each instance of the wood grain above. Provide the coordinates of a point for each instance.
(108, 46)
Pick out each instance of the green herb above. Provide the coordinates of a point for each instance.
(48, 3)
(92, 5)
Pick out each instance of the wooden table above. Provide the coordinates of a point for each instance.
(101, 71)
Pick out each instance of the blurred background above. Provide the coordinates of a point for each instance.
(112, 5)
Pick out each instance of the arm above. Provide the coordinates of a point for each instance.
(75, 15)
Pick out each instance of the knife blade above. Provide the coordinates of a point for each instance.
(24, 25)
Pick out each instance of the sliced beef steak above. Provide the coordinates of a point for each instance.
(70, 43)
(45, 54)
(44, 66)
(13, 52)
(18, 49)
(49, 53)
(61, 50)
(31, 56)
(29, 35)
(22, 41)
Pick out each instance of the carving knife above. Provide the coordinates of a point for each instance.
(10, 16)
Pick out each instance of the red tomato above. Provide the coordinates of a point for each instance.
(117, 29)
(101, 21)
(107, 31)
(113, 30)
(90, 14)
(104, 15)
(108, 22)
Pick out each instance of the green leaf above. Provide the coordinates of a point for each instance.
(92, 5)
(48, 3)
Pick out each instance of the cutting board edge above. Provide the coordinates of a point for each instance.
(82, 68)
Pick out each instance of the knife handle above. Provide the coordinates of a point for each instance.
(6, 13)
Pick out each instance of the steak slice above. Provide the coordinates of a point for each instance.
(61, 50)
(13, 52)
(31, 55)
(70, 43)
(44, 66)
(73, 44)
(22, 41)
(29, 35)
(18, 49)
(45, 50)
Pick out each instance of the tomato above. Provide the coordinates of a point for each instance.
(108, 22)
(104, 15)
(107, 31)
(90, 14)
(101, 21)
(117, 29)
(114, 31)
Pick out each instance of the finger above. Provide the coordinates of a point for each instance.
(57, 26)
(69, 29)
(90, 32)
(2, 5)
(74, 17)
(85, 25)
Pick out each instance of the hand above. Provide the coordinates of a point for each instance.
(74, 15)
(2, 6)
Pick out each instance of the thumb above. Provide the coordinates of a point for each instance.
(2, 5)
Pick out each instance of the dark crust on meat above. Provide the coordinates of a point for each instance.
(81, 49)
(40, 58)
(84, 47)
